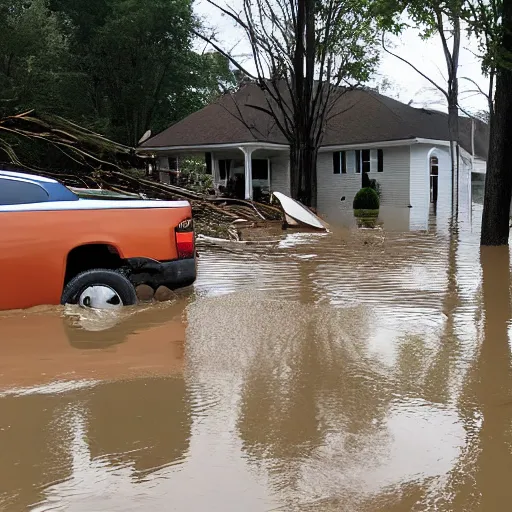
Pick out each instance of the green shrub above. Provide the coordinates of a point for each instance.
(366, 199)
(366, 214)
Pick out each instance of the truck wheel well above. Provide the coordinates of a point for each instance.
(87, 257)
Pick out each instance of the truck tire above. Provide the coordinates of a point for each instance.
(99, 289)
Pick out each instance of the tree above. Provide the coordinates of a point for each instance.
(306, 52)
(118, 67)
(136, 57)
(442, 18)
(491, 20)
(33, 57)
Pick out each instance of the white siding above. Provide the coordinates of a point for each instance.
(331, 187)
(420, 184)
(465, 168)
(394, 180)
(420, 174)
(420, 180)
(280, 175)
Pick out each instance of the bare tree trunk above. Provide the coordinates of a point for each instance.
(453, 122)
(303, 176)
(303, 150)
(498, 180)
(452, 64)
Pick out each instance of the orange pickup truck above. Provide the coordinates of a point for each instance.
(58, 248)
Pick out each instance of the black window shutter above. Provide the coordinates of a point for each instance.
(380, 160)
(336, 162)
(358, 161)
(343, 156)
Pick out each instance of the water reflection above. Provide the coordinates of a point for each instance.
(488, 392)
(51, 349)
(140, 426)
(35, 447)
(69, 417)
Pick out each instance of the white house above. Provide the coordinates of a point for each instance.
(405, 149)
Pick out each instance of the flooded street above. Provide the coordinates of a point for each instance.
(362, 370)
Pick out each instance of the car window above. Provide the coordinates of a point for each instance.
(15, 191)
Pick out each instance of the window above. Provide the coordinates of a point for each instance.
(350, 160)
(15, 191)
(260, 169)
(339, 162)
(434, 165)
(224, 166)
(369, 160)
(336, 167)
(366, 160)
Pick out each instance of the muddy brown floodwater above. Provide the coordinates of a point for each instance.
(363, 370)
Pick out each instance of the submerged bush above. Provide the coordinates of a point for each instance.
(366, 199)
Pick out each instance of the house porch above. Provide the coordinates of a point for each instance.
(247, 171)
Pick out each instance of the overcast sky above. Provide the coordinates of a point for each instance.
(407, 85)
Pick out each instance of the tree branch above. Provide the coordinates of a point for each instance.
(225, 54)
(438, 87)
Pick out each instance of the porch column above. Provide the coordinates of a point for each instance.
(215, 169)
(248, 172)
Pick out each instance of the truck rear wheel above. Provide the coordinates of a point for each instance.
(99, 289)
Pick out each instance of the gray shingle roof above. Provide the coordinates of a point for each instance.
(359, 116)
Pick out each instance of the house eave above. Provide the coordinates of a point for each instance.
(434, 142)
(384, 144)
(210, 147)
(369, 145)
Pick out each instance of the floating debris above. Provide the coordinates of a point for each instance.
(296, 214)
